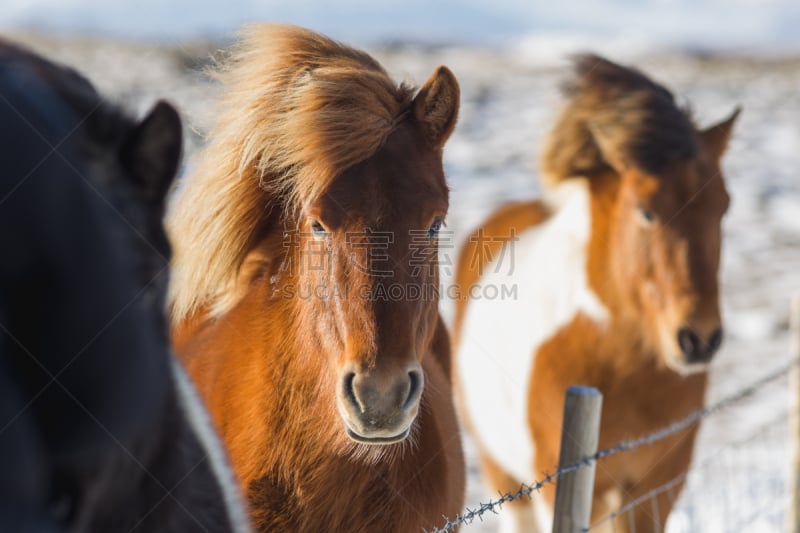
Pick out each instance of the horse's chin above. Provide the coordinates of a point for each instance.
(676, 362)
(378, 440)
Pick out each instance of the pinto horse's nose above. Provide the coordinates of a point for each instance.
(697, 349)
(379, 408)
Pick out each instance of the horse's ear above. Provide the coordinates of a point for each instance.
(151, 151)
(436, 106)
(716, 137)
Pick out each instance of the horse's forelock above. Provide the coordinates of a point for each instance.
(298, 109)
(641, 119)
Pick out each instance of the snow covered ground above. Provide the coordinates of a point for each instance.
(508, 103)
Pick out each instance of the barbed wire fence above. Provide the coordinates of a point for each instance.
(732, 464)
(769, 496)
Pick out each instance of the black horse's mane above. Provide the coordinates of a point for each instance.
(101, 120)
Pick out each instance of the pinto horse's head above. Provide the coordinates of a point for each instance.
(658, 197)
(370, 272)
(668, 240)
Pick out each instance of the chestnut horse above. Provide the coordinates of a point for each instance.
(304, 295)
(100, 428)
(616, 277)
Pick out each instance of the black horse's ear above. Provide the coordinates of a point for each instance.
(151, 151)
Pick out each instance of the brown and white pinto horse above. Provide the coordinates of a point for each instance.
(616, 278)
(312, 211)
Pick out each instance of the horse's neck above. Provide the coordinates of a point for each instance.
(615, 348)
(563, 265)
(262, 380)
(547, 266)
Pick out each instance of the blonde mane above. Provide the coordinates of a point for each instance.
(297, 110)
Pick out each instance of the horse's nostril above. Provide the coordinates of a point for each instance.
(715, 341)
(413, 389)
(689, 342)
(349, 391)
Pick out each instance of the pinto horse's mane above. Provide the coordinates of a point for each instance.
(637, 118)
(297, 111)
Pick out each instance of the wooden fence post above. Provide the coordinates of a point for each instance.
(793, 515)
(579, 434)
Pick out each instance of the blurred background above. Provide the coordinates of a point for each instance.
(509, 57)
(743, 25)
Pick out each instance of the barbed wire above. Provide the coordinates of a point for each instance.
(494, 505)
(694, 417)
(708, 460)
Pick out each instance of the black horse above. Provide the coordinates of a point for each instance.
(100, 430)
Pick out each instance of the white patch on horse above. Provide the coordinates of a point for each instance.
(499, 339)
(543, 515)
(197, 416)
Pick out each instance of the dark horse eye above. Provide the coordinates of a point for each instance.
(318, 230)
(433, 230)
(647, 215)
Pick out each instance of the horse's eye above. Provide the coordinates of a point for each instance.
(435, 228)
(318, 230)
(647, 215)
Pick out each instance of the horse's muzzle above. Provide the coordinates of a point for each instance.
(379, 408)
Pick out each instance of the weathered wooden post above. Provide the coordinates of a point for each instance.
(579, 435)
(793, 516)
